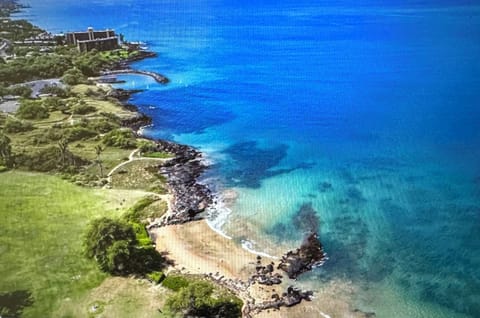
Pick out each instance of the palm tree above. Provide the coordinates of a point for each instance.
(98, 150)
(63, 146)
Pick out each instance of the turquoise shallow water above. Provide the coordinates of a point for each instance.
(358, 120)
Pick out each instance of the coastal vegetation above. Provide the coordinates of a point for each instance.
(200, 298)
(121, 248)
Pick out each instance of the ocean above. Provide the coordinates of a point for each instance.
(356, 119)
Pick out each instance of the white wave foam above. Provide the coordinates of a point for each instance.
(217, 216)
(248, 245)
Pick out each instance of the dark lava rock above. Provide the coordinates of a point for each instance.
(309, 255)
(122, 94)
(291, 297)
(137, 122)
(190, 197)
(295, 296)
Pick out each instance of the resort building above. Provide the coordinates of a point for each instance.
(86, 41)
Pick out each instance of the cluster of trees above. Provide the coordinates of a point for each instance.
(114, 245)
(90, 63)
(18, 30)
(32, 109)
(39, 66)
(51, 158)
(18, 90)
(122, 138)
(15, 126)
(74, 76)
(74, 66)
(55, 90)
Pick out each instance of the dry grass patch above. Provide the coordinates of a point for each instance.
(139, 174)
(118, 297)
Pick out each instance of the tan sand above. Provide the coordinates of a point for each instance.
(197, 249)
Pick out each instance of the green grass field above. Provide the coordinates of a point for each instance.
(43, 219)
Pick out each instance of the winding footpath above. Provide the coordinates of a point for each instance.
(131, 157)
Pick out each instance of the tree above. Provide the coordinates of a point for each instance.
(54, 90)
(63, 147)
(107, 241)
(98, 151)
(73, 77)
(54, 103)
(119, 257)
(21, 90)
(32, 109)
(5, 150)
(122, 138)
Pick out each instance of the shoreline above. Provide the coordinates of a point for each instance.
(194, 245)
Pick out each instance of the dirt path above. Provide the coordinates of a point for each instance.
(131, 157)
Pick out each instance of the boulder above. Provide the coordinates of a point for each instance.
(309, 255)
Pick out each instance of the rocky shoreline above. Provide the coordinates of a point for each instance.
(191, 198)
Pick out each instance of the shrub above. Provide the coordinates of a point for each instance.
(73, 76)
(54, 103)
(122, 138)
(200, 299)
(5, 150)
(141, 235)
(156, 277)
(3, 168)
(175, 282)
(118, 257)
(30, 109)
(103, 125)
(100, 238)
(15, 126)
(47, 136)
(146, 146)
(83, 109)
(114, 245)
(54, 90)
(21, 90)
(79, 133)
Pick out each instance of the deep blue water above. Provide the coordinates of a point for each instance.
(361, 118)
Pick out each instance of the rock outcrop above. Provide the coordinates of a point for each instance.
(122, 94)
(309, 255)
(182, 172)
(291, 297)
(265, 275)
(137, 122)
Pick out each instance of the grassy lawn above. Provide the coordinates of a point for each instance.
(118, 297)
(110, 156)
(43, 220)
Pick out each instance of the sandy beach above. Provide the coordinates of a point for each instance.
(197, 249)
